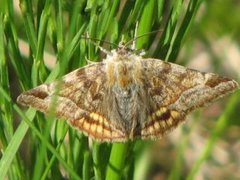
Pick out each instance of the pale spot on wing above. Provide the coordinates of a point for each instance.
(163, 124)
(94, 116)
(156, 125)
(81, 121)
(107, 133)
(161, 111)
(100, 129)
(169, 122)
(93, 127)
(86, 125)
(175, 114)
(150, 129)
(100, 119)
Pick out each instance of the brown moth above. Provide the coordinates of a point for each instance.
(126, 96)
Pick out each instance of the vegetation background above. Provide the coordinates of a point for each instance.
(42, 40)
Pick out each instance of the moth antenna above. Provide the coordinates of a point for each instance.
(100, 47)
(137, 37)
(104, 50)
(89, 61)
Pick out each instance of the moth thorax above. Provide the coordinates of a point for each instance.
(123, 73)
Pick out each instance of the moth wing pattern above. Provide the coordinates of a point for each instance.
(175, 91)
(78, 99)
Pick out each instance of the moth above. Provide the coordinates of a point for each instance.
(126, 96)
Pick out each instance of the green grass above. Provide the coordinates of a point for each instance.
(53, 148)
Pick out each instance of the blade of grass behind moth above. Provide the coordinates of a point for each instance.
(114, 30)
(100, 155)
(92, 30)
(59, 24)
(21, 70)
(76, 19)
(192, 9)
(6, 108)
(96, 160)
(79, 56)
(53, 158)
(41, 151)
(116, 161)
(77, 145)
(106, 17)
(29, 25)
(67, 54)
(87, 165)
(167, 35)
(145, 24)
(70, 48)
(129, 13)
(38, 68)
